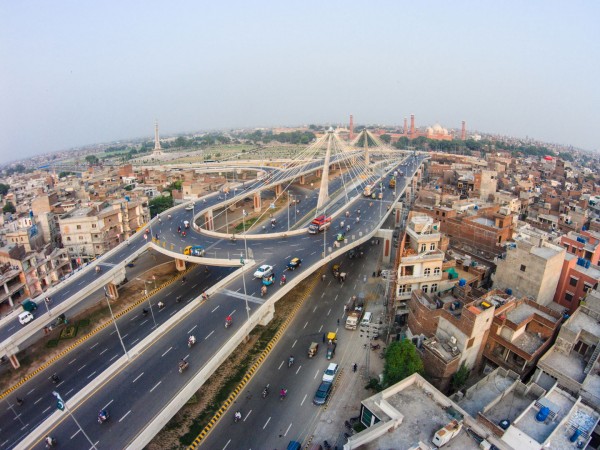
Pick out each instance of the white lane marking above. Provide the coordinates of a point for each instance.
(299, 367)
(186, 356)
(215, 309)
(113, 332)
(47, 409)
(91, 374)
(316, 374)
(172, 313)
(209, 334)
(72, 361)
(170, 348)
(320, 328)
(114, 357)
(227, 444)
(314, 309)
(336, 296)
(268, 420)
(126, 414)
(288, 429)
(138, 377)
(305, 325)
(76, 433)
(294, 344)
(67, 393)
(328, 312)
(108, 404)
(30, 391)
(137, 339)
(280, 365)
(78, 370)
(323, 295)
(155, 386)
(103, 351)
(194, 286)
(37, 401)
(94, 345)
(247, 415)
(192, 329)
(302, 403)
(144, 322)
(95, 445)
(313, 253)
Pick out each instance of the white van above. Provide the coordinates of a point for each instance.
(25, 318)
(367, 318)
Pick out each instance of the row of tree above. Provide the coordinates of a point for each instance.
(293, 137)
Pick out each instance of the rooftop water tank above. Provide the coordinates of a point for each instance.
(508, 291)
(542, 414)
(462, 282)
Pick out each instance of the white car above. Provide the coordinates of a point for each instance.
(263, 271)
(25, 318)
(189, 207)
(330, 372)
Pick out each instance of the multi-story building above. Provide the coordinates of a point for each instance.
(577, 277)
(529, 267)
(583, 245)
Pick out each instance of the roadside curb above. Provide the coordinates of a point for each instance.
(252, 371)
(89, 335)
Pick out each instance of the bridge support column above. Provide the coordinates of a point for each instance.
(268, 316)
(398, 214)
(302, 179)
(257, 202)
(278, 190)
(11, 353)
(319, 173)
(112, 291)
(209, 223)
(180, 265)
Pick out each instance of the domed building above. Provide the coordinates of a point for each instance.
(438, 132)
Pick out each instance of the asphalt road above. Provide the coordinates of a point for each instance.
(137, 394)
(94, 356)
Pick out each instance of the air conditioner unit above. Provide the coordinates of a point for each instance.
(453, 340)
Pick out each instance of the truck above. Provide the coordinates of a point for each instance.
(369, 188)
(392, 183)
(319, 224)
(355, 309)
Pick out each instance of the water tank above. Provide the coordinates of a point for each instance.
(462, 282)
(587, 263)
(504, 424)
(576, 435)
(542, 414)
(508, 291)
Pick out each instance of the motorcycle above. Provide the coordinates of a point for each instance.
(375, 346)
(228, 323)
(237, 417)
(191, 341)
(103, 416)
(290, 362)
(265, 392)
(282, 394)
(183, 365)
(50, 442)
(55, 379)
(282, 282)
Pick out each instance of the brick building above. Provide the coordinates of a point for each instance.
(577, 277)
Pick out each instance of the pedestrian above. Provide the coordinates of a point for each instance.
(48, 301)
(338, 321)
(323, 277)
(324, 336)
(354, 367)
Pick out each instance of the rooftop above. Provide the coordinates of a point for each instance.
(570, 365)
(529, 342)
(581, 321)
(77, 212)
(486, 390)
(524, 311)
(485, 221)
(582, 418)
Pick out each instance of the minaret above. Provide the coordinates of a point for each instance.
(351, 127)
(412, 126)
(463, 131)
(405, 130)
(156, 139)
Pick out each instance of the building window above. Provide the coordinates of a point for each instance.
(68, 238)
(523, 267)
(93, 225)
(573, 281)
(405, 289)
(427, 272)
(79, 227)
(470, 342)
(568, 296)
(432, 246)
(437, 271)
(81, 238)
(425, 288)
(433, 288)
(587, 287)
(423, 247)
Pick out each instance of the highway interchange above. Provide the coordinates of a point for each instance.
(135, 394)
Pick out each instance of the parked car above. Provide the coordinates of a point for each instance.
(263, 271)
(330, 372)
(322, 393)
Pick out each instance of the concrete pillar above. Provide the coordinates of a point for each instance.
(302, 179)
(257, 202)
(319, 173)
(398, 214)
(278, 190)
(112, 291)
(14, 361)
(268, 315)
(180, 265)
(209, 223)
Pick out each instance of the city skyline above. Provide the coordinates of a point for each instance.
(82, 74)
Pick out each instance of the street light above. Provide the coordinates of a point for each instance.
(148, 299)
(62, 403)
(115, 322)
(243, 261)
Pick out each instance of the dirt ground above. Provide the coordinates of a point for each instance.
(183, 421)
(39, 354)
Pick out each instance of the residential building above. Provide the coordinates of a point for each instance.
(529, 267)
(583, 245)
(577, 277)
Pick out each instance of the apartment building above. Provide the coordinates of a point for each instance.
(584, 245)
(577, 277)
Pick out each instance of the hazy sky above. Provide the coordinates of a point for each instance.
(78, 72)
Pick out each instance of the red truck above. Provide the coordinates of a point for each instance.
(319, 224)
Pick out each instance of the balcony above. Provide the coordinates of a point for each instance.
(434, 255)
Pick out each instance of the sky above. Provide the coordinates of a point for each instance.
(74, 73)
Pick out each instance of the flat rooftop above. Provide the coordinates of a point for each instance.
(581, 321)
(544, 252)
(482, 394)
(570, 365)
(510, 406)
(558, 402)
(581, 417)
(485, 221)
(422, 418)
(78, 212)
(524, 311)
(529, 342)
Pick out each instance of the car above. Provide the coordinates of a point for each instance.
(294, 263)
(263, 271)
(330, 372)
(322, 393)
(25, 318)
(189, 207)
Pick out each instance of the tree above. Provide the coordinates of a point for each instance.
(401, 361)
(159, 204)
(4, 188)
(9, 208)
(386, 138)
(92, 160)
(459, 379)
(65, 174)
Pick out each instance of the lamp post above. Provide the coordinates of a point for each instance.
(62, 403)
(243, 261)
(145, 292)
(324, 234)
(115, 322)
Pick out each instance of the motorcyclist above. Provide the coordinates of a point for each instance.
(265, 391)
(347, 227)
(179, 229)
(192, 340)
(145, 312)
(238, 416)
(228, 319)
(183, 364)
(102, 415)
(160, 305)
(50, 441)
(283, 393)
(291, 360)
(283, 279)
(263, 290)
(169, 216)
(55, 378)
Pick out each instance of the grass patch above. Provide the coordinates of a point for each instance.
(83, 323)
(52, 343)
(68, 332)
(249, 223)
